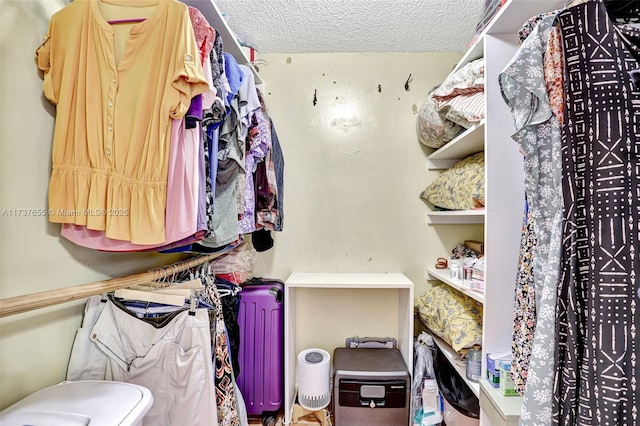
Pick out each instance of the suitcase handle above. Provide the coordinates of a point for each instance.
(274, 291)
(277, 293)
(371, 342)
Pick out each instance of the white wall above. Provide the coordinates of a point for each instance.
(354, 170)
(354, 166)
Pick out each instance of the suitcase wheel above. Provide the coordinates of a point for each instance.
(268, 420)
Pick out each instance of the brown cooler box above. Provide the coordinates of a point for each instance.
(371, 387)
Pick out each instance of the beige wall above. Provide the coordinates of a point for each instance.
(354, 166)
(354, 170)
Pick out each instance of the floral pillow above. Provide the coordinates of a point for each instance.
(452, 316)
(432, 128)
(459, 188)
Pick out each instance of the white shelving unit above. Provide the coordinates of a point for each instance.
(467, 143)
(499, 409)
(316, 302)
(455, 217)
(504, 197)
(460, 285)
(475, 51)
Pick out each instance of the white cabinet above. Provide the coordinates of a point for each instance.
(504, 195)
(497, 410)
(319, 309)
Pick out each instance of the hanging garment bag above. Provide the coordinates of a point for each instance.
(261, 353)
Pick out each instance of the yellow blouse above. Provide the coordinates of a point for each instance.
(111, 140)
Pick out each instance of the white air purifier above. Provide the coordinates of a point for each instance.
(314, 379)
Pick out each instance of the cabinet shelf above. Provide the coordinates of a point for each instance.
(508, 407)
(455, 217)
(453, 358)
(444, 276)
(467, 143)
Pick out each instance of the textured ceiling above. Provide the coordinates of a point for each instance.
(306, 26)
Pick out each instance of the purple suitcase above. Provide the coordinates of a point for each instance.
(261, 353)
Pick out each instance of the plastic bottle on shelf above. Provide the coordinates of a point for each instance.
(474, 363)
(455, 271)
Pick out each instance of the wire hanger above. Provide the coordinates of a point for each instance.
(126, 21)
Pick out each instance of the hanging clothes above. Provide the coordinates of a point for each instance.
(269, 188)
(223, 307)
(258, 145)
(111, 140)
(183, 194)
(524, 307)
(118, 181)
(538, 136)
(224, 377)
(205, 34)
(596, 342)
(159, 347)
(228, 162)
(168, 354)
(185, 214)
(230, 311)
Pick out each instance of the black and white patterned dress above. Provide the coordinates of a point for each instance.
(597, 374)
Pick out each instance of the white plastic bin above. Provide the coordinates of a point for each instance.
(95, 402)
(453, 417)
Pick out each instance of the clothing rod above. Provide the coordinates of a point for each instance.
(29, 302)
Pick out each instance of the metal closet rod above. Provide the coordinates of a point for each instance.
(29, 302)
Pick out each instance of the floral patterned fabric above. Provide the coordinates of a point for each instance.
(452, 316)
(524, 324)
(531, 23)
(224, 380)
(538, 135)
(468, 80)
(459, 188)
(554, 73)
(432, 129)
(204, 33)
(439, 119)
